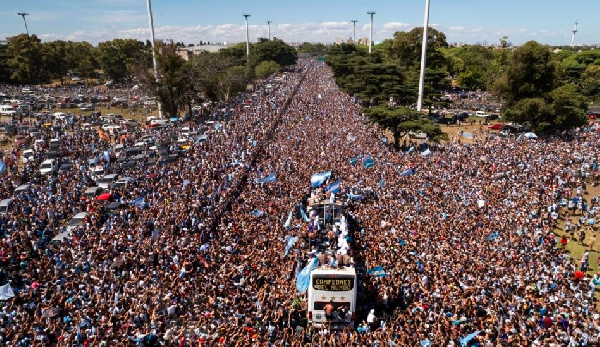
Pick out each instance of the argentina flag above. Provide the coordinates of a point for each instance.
(408, 172)
(334, 187)
(318, 178)
(270, 178)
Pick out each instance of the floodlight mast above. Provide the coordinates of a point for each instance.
(269, 24)
(371, 31)
(354, 32)
(23, 14)
(423, 57)
(246, 15)
(156, 76)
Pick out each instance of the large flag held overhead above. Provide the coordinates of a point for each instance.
(303, 214)
(354, 160)
(290, 241)
(426, 152)
(2, 166)
(288, 222)
(334, 187)
(354, 196)
(408, 172)
(318, 178)
(368, 162)
(303, 277)
(377, 272)
(270, 178)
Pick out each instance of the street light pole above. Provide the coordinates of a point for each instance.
(23, 14)
(371, 31)
(269, 24)
(423, 57)
(151, 20)
(246, 15)
(354, 32)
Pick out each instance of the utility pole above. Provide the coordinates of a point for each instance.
(156, 76)
(354, 34)
(269, 24)
(574, 32)
(246, 15)
(23, 14)
(423, 57)
(371, 31)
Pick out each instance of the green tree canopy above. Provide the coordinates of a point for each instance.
(119, 58)
(274, 50)
(26, 59)
(266, 68)
(530, 73)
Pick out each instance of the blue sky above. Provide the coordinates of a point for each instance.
(190, 21)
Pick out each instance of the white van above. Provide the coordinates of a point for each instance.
(7, 110)
(5, 206)
(481, 114)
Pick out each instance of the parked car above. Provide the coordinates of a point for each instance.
(497, 126)
(27, 156)
(48, 166)
(76, 221)
(107, 180)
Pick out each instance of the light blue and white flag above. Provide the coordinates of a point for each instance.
(368, 162)
(288, 222)
(408, 172)
(465, 340)
(303, 277)
(334, 187)
(2, 166)
(318, 178)
(257, 213)
(354, 160)
(354, 196)
(303, 214)
(382, 183)
(426, 152)
(270, 178)
(290, 241)
(377, 272)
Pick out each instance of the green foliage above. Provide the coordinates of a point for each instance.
(530, 73)
(274, 50)
(313, 48)
(590, 80)
(5, 70)
(26, 59)
(119, 58)
(472, 64)
(400, 120)
(266, 68)
(368, 77)
(568, 107)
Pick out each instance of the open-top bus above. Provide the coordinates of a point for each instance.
(336, 287)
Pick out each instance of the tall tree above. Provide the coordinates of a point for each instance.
(530, 73)
(26, 59)
(119, 57)
(266, 69)
(275, 50)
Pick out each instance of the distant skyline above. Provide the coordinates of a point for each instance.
(189, 21)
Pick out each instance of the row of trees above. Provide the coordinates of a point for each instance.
(547, 89)
(207, 76)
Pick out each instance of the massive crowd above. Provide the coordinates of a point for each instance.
(466, 242)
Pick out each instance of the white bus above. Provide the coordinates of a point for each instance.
(336, 287)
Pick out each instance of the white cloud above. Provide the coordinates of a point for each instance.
(289, 32)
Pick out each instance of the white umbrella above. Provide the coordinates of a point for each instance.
(530, 135)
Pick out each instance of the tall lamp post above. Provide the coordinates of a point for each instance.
(246, 15)
(354, 32)
(151, 21)
(423, 57)
(269, 25)
(23, 14)
(371, 31)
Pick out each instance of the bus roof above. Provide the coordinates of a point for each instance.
(326, 270)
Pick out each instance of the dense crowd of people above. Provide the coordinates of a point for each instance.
(196, 255)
